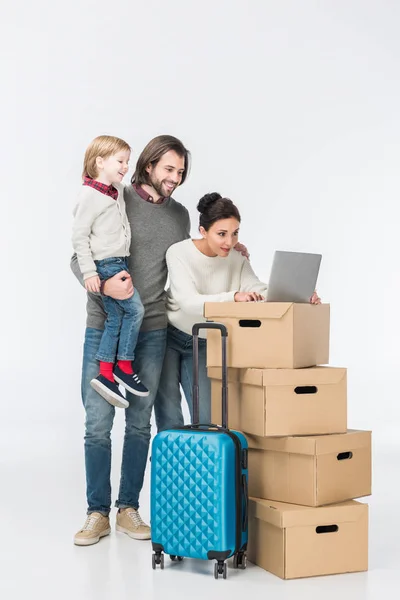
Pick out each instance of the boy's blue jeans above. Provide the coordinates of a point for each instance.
(124, 317)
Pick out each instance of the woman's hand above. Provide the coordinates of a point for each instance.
(315, 299)
(248, 297)
(92, 284)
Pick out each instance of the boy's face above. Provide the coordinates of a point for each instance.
(113, 168)
(167, 174)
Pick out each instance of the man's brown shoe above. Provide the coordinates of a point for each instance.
(130, 522)
(95, 527)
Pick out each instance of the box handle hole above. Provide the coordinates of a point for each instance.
(327, 529)
(306, 389)
(345, 455)
(249, 322)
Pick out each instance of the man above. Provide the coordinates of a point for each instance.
(157, 221)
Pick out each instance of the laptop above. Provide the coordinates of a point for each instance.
(293, 276)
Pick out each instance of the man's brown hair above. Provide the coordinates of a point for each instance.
(152, 153)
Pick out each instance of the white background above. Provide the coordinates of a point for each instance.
(290, 108)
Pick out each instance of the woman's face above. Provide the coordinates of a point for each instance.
(222, 236)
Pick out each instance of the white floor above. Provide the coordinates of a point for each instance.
(42, 504)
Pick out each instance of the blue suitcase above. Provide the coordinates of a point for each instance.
(199, 498)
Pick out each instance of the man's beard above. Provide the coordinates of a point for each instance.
(157, 184)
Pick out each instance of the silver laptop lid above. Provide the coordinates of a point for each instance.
(293, 276)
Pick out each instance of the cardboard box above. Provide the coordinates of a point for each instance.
(269, 335)
(283, 402)
(296, 541)
(311, 470)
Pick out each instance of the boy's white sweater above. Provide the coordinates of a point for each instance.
(101, 228)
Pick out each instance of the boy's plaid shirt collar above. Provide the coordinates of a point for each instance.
(108, 190)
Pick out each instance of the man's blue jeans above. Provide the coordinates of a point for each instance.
(149, 358)
(178, 371)
(124, 317)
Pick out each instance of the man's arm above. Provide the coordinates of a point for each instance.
(76, 270)
(187, 225)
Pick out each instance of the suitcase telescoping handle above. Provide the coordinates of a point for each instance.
(224, 334)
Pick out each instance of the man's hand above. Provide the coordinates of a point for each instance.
(248, 297)
(315, 299)
(119, 287)
(242, 249)
(92, 284)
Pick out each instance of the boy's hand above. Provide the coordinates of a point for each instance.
(92, 284)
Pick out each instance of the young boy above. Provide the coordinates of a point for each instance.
(101, 239)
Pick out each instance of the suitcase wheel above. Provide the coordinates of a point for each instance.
(240, 560)
(157, 559)
(173, 557)
(220, 568)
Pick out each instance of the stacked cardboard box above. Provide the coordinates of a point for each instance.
(305, 466)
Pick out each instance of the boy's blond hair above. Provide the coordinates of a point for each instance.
(104, 146)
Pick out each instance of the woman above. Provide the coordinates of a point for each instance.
(202, 270)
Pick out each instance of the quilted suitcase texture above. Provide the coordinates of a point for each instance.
(199, 485)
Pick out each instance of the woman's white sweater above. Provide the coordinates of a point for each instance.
(196, 279)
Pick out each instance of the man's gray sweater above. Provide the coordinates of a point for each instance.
(154, 227)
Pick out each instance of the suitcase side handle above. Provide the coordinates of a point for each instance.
(245, 492)
(224, 334)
